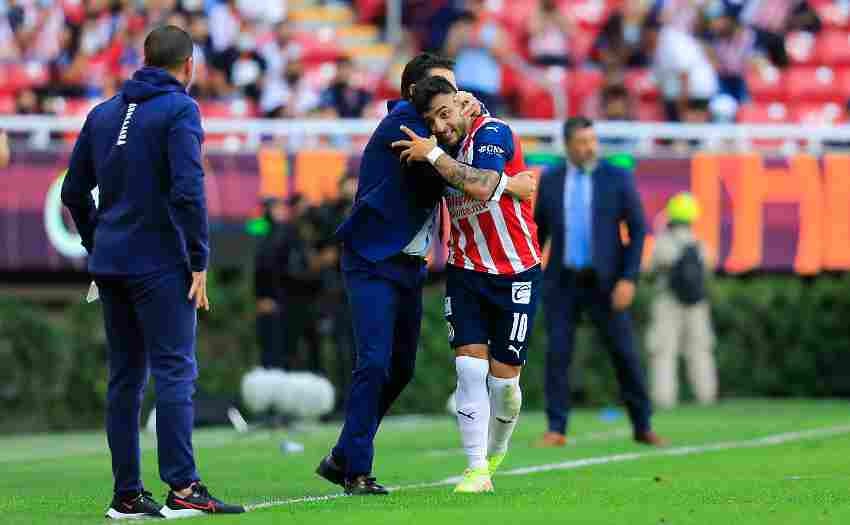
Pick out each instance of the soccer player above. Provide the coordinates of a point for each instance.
(493, 274)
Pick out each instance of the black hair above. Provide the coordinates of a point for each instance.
(418, 69)
(614, 91)
(167, 47)
(574, 124)
(427, 89)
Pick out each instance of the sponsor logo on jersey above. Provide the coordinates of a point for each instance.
(491, 149)
(521, 293)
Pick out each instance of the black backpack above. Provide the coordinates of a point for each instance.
(687, 277)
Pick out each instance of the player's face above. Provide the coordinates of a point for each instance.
(583, 146)
(445, 120)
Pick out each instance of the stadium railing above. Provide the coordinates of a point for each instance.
(642, 138)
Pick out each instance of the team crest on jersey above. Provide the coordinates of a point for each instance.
(521, 293)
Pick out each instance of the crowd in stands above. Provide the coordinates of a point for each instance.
(675, 60)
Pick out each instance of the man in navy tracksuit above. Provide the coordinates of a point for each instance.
(148, 253)
(385, 240)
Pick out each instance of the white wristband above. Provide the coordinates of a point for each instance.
(434, 154)
(500, 189)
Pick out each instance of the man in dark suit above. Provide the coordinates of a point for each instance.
(581, 205)
(148, 253)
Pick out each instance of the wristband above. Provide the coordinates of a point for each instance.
(434, 154)
(500, 188)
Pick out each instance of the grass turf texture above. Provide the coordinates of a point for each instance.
(65, 478)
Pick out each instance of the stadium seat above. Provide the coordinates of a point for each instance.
(650, 111)
(818, 113)
(832, 16)
(581, 83)
(7, 104)
(767, 85)
(811, 83)
(17, 76)
(641, 84)
(833, 48)
(763, 113)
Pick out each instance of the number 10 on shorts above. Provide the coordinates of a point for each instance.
(520, 327)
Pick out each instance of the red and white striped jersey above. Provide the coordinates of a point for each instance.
(499, 238)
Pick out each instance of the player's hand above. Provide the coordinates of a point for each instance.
(198, 290)
(623, 295)
(523, 185)
(470, 107)
(417, 148)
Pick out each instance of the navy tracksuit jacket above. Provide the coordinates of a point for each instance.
(142, 149)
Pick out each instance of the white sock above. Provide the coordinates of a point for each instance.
(505, 405)
(473, 408)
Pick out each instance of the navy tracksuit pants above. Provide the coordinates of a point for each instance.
(386, 308)
(150, 328)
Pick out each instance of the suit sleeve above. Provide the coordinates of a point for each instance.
(187, 183)
(540, 217)
(79, 182)
(635, 220)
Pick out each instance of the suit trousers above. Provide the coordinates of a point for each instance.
(150, 328)
(566, 296)
(386, 310)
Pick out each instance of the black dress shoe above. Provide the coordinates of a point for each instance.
(364, 486)
(331, 470)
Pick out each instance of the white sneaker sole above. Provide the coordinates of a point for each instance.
(115, 515)
(174, 514)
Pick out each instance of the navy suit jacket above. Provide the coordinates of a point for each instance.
(615, 199)
(393, 201)
(142, 149)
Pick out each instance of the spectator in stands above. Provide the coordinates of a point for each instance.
(616, 103)
(247, 66)
(280, 50)
(772, 20)
(27, 102)
(478, 44)
(549, 30)
(225, 23)
(69, 67)
(619, 44)
(342, 99)
(290, 96)
(685, 74)
(199, 28)
(733, 50)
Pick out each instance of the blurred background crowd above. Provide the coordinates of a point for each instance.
(674, 60)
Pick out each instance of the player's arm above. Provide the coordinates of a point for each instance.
(478, 183)
(79, 182)
(494, 147)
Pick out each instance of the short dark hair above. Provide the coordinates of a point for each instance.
(574, 124)
(167, 47)
(614, 91)
(417, 70)
(427, 89)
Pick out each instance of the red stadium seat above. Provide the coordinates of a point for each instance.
(650, 111)
(766, 85)
(536, 102)
(833, 48)
(581, 83)
(831, 15)
(762, 113)
(7, 104)
(815, 113)
(811, 83)
(17, 76)
(641, 84)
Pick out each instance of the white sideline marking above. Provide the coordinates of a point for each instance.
(775, 439)
(607, 435)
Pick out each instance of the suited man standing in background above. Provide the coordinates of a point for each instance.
(581, 205)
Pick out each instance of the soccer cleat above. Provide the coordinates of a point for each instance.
(493, 463)
(331, 470)
(364, 486)
(200, 501)
(474, 481)
(139, 507)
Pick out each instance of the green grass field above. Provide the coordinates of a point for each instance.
(752, 462)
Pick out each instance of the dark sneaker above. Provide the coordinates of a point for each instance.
(331, 470)
(364, 486)
(137, 507)
(200, 501)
